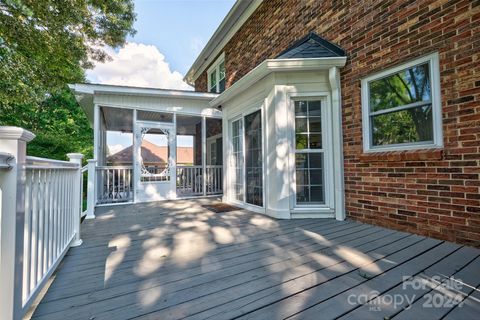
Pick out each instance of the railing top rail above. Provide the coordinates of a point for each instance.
(5, 159)
(193, 167)
(214, 166)
(113, 167)
(37, 162)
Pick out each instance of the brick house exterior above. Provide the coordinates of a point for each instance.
(432, 192)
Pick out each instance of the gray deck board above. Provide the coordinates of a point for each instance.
(175, 260)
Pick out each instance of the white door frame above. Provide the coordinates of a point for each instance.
(154, 190)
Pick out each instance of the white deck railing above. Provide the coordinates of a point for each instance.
(39, 218)
(115, 184)
(189, 180)
(214, 183)
(52, 212)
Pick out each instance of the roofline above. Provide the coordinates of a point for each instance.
(92, 88)
(276, 65)
(236, 17)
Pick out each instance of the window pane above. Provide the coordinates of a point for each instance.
(406, 126)
(222, 70)
(213, 78)
(316, 160)
(213, 89)
(221, 85)
(316, 194)
(314, 108)
(303, 194)
(315, 141)
(300, 108)
(237, 141)
(301, 141)
(301, 160)
(316, 177)
(301, 125)
(302, 177)
(405, 87)
(253, 156)
(315, 124)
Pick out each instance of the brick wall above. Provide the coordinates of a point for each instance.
(433, 193)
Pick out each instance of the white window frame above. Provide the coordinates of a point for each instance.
(433, 61)
(327, 149)
(215, 68)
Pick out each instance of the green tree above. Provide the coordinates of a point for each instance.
(59, 123)
(44, 45)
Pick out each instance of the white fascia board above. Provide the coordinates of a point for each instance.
(276, 65)
(236, 17)
(91, 89)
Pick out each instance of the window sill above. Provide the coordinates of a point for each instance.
(407, 155)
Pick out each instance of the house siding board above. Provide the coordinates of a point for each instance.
(432, 193)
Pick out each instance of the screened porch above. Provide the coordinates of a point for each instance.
(151, 155)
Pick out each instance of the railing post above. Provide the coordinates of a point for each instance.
(91, 184)
(13, 141)
(77, 202)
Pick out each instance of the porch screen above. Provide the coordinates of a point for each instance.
(253, 159)
(309, 152)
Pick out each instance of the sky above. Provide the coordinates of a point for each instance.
(170, 35)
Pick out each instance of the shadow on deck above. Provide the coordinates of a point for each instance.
(175, 259)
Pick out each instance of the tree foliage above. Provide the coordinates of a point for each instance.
(403, 88)
(59, 123)
(44, 45)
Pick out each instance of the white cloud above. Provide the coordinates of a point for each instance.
(138, 65)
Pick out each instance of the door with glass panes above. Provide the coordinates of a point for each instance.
(247, 159)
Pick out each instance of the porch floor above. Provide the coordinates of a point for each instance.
(176, 259)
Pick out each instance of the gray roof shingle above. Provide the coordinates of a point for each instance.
(312, 46)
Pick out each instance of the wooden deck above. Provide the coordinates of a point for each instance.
(175, 260)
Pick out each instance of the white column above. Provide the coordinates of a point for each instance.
(334, 77)
(91, 195)
(204, 155)
(13, 141)
(77, 202)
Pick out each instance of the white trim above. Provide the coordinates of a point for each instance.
(235, 18)
(215, 67)
(252, 108)
(276, 65)
(434, 68)
(90, 89)
(15, 133)
(337, 141)
(327, 151)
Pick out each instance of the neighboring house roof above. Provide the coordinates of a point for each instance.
(312, 46)
(152, 153)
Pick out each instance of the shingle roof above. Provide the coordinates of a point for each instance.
(152, 153)
(312, 46)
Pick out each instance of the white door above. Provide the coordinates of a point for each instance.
(154, 161)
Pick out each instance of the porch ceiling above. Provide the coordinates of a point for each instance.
(118, 119)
